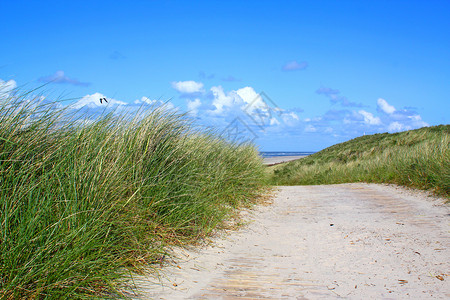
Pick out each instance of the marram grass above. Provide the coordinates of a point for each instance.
(417, 158)
(85, 204)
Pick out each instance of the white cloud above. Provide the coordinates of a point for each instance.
(293, 115)
(403, 119)
(243, 102)
(188, 87)
(407, 123)
(369, 118)
(385, 107)
(224, 100)
(290, 118)
(249, 96)
(417, 118)
(396, 126)
(353, 123)
(219, 108)
(145, 100)
(93, 101)
(263, 110)
(193, 106)
(418, 122)
(6, 87)
(274, 121)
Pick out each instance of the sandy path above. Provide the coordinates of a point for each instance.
(361, 241)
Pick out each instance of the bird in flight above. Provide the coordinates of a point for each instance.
(103, 99)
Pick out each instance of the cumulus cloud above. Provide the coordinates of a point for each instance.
(244, 102)
(355, 122)
(6, 87)
(406, 122)
(260, 108)
(274, 121)
(290, 118)
(384, 106)
(193, 106)
(145, 100)
(60, 77)
(369, 118)
(154, 102)
(291, 115)
(93, 101)
(188, 87)
(258, 116)
(251, 98)
(245, 99)
(399, 119)
(255, 113)
(223, 100)
(294, 66)
(349, 123)
(396, 126)
(88, 107)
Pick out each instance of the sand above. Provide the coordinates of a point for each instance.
(357, 241)
(280, 159)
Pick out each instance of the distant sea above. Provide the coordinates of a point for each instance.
(285, 153)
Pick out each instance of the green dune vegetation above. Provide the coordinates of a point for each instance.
(417, 158)
(84, 204)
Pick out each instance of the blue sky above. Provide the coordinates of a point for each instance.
(289, 75)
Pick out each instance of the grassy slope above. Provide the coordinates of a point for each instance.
(417, 158)
(81, 206)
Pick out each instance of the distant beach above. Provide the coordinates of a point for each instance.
(273, 158)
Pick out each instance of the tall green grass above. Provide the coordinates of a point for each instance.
(417, 158)
(83, 204)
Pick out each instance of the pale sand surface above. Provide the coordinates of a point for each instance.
(357, 241)
(280, 159)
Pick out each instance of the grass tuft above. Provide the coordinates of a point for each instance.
(82, 204)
